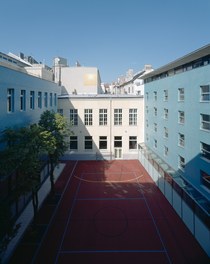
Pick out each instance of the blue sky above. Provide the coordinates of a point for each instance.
(112, 35)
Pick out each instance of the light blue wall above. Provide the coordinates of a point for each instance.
(20, 81)
(191, 82)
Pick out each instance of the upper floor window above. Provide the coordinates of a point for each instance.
(102, 117)
(73, 143)
(51, 99)
(10, 100)
(103, 142)
(73, 117)
(88, 142)
(181, 140)
(205, 93)
(39, 99)
(165, 132)
(55, 99)
(181, 163)
(155, 95)
(205, 122)
(23, 100)
(181, 94)
(155, 127)
(117, 117)
(88, 117)
(205, 150)
(118, 142)
(32, 100)
(165, 151)
(165, 95)
(132, 142)
(46, 99)
(155, 143)
(155, 111)
(133, 116)
(181, 117)
(165, 113)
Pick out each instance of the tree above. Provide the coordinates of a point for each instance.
(54, 131)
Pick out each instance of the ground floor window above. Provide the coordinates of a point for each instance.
(73, 143)
(132, 142)
(102, 142)
(118, 142)
(88, 142)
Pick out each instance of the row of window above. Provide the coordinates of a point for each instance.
(204, 94)
(204, 118)
(102, 144)
(41, 99)
(103, 116)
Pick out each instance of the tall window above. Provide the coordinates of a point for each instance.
(45, 99)
(205, 93)
(88, 117)
(23, 100)
(55, 99)
(73, 143)
(118, 142)
(165, 113)
(155, 127)
(165, 95)
(32, 100)
(132, 142)
(10, 100)
(102, 117)
(181, 162)
(155, 95)
(88, 142)
(51, 99)
(181, 140)
(155, 111)
(205, 150)
(133, 117)
(165, 151)
(74, 117)
(205, 122)
(181, 117)
(40, 99)
(155, 143)
(102, 142)
(165, 132)
(117, 117)
(181, 94)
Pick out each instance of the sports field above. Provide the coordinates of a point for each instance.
(108, 212)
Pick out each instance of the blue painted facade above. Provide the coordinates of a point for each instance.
(163, 134)
(17, 81)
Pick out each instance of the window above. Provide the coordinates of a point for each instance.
(205, 150)
(147, 96)
(205, 122)
(181, 163)
(45, 100)
(60, 111)
(39, 99)
(165, 95)
(51, 99)
(118, 142)
(73, 143)
(155, 143)
(205, 178)
(205, 93)
(88, 142)
(181, 117)
(55, 99)
(165, 113)
(155, 111)
(155, 96)
(74, 117)
(23, 100)
(181, 140)
(132, 142)
(147, 123)
(165, 132)
(32, 100)
(155, 127)
(147, 109)
(102, 117)
(165, 151)
(181, 94)
(133, 117)
(102, 142)
(117, 117)
(88, 117)
(10, 100)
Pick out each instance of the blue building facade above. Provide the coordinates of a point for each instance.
(176, 151)
(24, 97)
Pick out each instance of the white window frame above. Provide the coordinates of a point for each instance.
(205, 122)
(205, 93)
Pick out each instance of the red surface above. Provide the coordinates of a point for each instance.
(110, 212)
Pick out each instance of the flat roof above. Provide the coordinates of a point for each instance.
(199, 53)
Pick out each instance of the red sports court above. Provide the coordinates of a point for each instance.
(108, 212)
